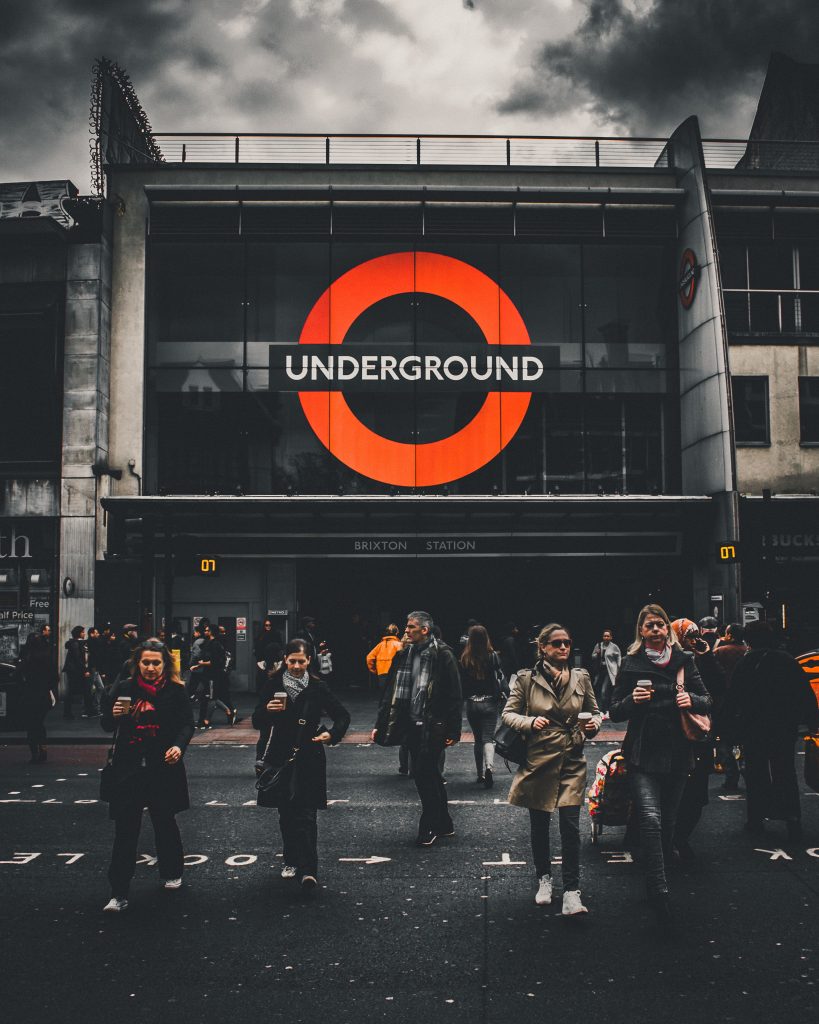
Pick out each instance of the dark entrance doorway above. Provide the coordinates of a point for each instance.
(353, 599)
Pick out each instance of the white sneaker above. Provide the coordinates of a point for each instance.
(543, 896)
(172, 883)
(115, 906)
(572, 904)
(288, 871)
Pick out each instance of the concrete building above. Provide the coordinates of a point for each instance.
(532, 416)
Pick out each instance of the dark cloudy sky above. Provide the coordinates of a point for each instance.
(508, 66)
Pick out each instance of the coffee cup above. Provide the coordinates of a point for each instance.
(124, 700)
(584, 716)
(645, 684)
(281, 696)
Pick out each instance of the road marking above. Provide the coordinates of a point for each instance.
(215, 803)
(459, 802)
(329, 802)
(192, 859)
(27, 858)
(774, 854)
(86, 801)
(504, 862)
(72, 857)
(146, 858)
(241, 860)
(364, 860)
(17, 800)
(731, 796)
(52, 801)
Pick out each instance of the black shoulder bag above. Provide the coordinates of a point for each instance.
(277, 780)
(511, 743)
(107, 778)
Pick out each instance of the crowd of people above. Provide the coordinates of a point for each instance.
(694, 702)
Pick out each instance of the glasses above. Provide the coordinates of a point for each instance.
(152, 645)
(557, 643)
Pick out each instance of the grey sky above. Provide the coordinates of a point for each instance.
(508, 66)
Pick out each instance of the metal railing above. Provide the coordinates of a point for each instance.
(474, 150)
(409, 150)
(771, 311)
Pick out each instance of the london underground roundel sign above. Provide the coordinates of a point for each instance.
(395, 462)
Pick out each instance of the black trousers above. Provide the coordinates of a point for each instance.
(169, 852)
(694, 799)
(770, 779)
(299, 830)
(426, 762)
(569, 818)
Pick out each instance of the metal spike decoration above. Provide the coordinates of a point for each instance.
(119, 77)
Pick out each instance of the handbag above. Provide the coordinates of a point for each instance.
(812, 762)
(278, 780)
(696, 728)
(108, 780)
(510, 743)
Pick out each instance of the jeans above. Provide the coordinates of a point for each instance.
(426, 762)
(656, 799)
(300, 839)
(569, 818)
(482, 716)
(169, 851)
(603, 688)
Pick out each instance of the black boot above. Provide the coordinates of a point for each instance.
(35, 753)
(43, 755)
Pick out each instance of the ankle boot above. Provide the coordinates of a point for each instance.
(35, 753)
(43, 755)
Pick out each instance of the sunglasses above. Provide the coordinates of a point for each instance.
(557, 643)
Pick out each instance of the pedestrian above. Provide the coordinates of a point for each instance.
(380, 657)
(730, 650)
(291, 706)
(462, 639)
(657, 752)
(152, 722)
(695, 795)
(483, 686)
(77, 674)
(40, 690)
(215, 665)
(545, 705)
(96, 658)
(769, 697)
(605, 664)
(512, 650)
(422, 706)
(267, 652)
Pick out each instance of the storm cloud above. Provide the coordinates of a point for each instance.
(642, 66)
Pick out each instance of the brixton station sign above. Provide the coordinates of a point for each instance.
(504, 367)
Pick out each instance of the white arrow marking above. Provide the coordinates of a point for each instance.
(775, 854)
(215, 803)
(504, 862)
(343, 802)
(364, 860)
(146, 858)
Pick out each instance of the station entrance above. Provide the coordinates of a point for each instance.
(353, 599)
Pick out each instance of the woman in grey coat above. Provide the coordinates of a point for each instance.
(546, 705)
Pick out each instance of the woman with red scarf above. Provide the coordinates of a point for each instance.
(152, 721)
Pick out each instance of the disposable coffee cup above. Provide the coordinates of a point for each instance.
(282, 696)
(124, 700)
(584, 716)
(646, 684)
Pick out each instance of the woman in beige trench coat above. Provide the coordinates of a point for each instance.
(545, 705)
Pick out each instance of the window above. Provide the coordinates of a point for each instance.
(29, 391)
(809, 410)
(751, 411)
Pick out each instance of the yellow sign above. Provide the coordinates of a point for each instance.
(728, 553)
(208, 566)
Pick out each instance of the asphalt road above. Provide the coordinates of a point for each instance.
(449, 933)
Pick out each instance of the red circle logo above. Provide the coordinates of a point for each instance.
(689, 273)
(395, 462)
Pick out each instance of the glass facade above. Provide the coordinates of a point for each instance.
(224, 409)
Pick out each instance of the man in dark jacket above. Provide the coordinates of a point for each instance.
(77, 674)
(769, 698)
(421, 705)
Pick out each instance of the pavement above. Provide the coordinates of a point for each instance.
(361, 704)
(396, 933)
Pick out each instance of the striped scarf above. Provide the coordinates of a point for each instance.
(294, 686)
(404, 688)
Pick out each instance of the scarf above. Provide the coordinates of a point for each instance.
(659, 658)
(294, 686)
(558, 678)
(143, 714)
(412, 676)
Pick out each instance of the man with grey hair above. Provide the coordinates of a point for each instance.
(421, 705)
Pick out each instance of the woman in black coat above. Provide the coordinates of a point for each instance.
(40, 689)
(297, 736)
(152, 721)
(658, 755)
